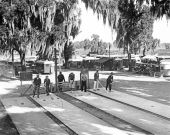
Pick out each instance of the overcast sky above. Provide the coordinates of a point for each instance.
(91, 25)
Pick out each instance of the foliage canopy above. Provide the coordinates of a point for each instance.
(40, 24)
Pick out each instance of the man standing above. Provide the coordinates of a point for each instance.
(109, 82)
(83, 81)
(71, 80)
(96, 80)
(47, 85)
(61, 79)
(37, 83)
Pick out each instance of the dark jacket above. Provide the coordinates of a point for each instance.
(110, 79)
(37, 81)
(47, 82)
(71, 76)
(61, 78)
(96, 76)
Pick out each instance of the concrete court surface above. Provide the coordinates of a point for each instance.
(142, 103)
(29, 119)
(147, 121)
(78, 120)
(9, 88)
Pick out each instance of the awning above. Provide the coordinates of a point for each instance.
(76, 60)
(103, 60)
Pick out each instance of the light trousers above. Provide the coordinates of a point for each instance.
(96, 85)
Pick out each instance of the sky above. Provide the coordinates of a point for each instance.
(161, 30)
(91, 25)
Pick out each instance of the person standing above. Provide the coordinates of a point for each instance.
(61, 79)
(109, 82)
(37, 83)
(83, 81)
(96, 80)
(71, 80)
(47, 85)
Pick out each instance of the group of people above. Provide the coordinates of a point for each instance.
(37, 83)
(109, 81)
(71, 79)
(84, 79)
(47, 82)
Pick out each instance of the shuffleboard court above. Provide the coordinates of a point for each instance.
(78, 120)
(29, 119)
(148, 105)
(144, 120)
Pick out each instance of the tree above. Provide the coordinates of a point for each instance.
(72, 22)
(158, 8)
(131, 22)
(140, 32)
(36, 23)
(86, 43)
(68, 52)
(110, 10)
(129, 27)
(94, 43)
(151, 45)
(14, 20)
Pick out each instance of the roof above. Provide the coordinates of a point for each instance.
(90, 58)
(103, 60)
(151, 57)
(118, 59)
(45, 62)
(31, 58)
(111, 56)
(76, 59)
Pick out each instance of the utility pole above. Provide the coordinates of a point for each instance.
(109, 51)
(56, 81)
(110, 65)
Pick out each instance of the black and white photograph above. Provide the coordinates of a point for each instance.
(84, 67)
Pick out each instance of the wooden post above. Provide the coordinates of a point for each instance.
(56, 81)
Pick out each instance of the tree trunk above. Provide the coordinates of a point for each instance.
(129, 58)
(130, 61)
(144, 51)
(66, 63)
(12, 55)
(65, 55)
(22, 58)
